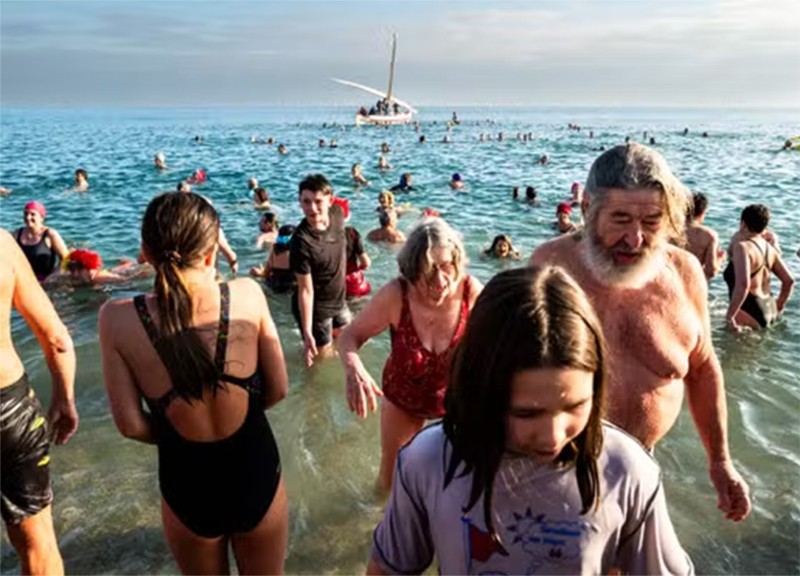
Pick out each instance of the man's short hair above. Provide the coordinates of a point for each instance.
(384, 218)
(699, 204)
(756, 217)
(315, 183)
(636, 167)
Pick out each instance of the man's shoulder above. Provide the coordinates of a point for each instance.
(553, 251)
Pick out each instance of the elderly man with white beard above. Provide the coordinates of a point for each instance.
(652, 302)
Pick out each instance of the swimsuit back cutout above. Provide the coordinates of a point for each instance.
(43, 258)
(224, 486)
(251, 384)
(415, 378)
(729, 274)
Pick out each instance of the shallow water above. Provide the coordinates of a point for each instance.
(107, 512)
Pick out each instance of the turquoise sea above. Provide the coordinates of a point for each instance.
(107, 504)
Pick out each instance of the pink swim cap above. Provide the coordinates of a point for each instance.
(35, 206)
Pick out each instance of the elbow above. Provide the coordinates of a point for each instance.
(134, 431)
(59, 342)
(275, 396)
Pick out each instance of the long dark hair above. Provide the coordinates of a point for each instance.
(178, 230)
(524, 319)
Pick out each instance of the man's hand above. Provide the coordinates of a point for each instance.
(733, 495)
(311, 351)
(63, 417)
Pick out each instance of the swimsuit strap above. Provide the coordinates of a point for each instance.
(145, 318)
(139, 303)
(764, 252)
(224, 324)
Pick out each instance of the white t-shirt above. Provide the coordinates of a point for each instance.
(536, 512)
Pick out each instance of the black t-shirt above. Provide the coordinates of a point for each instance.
(323, 255)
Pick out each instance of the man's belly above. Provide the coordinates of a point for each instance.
(647, 413)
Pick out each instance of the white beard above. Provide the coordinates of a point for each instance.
(604, 269)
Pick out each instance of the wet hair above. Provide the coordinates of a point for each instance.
(633, 167)
(269, 218)
(756, 217)
(178, 231)
(260, 195)
(315, 183)
(497, 239)
(81, 172)
(385, 217)
(414, 259)
(699, 205)
(183, 186)
(285, 231)
(530, 193)
(524, 319)
(404, 178)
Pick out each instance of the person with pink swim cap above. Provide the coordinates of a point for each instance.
(42, 246)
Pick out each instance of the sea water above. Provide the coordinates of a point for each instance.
(106, 510)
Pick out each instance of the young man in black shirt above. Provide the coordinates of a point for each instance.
(318, 260)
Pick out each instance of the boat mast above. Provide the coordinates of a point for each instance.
(391, 69)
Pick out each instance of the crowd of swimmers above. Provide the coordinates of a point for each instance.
(524, 438)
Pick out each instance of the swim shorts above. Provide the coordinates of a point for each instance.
(25, 487)
(322, 327)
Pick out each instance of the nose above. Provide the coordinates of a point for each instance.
(439, 279)
(634, 236)
(552, 433)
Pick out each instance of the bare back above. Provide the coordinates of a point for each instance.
(11, 367)
(702, 242)
(651, 332)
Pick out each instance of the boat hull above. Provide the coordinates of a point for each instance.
(383, 120)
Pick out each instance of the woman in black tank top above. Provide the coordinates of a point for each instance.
(42, 246)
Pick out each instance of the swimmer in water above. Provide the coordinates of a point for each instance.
(84, 267)
(456, 182)
(81, 180)
(358, 177)
(261, 199)
(160, 161)
(564, 223)
(268, 230)
(502, 248)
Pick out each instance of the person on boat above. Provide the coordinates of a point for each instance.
(502, 248)
(206, 359)
(160, 161)
(701, 240)
(404, 185)
(261, 199)
(456, 182)
(752, 263)
(267, 230)
(26, 430)
(42, 245)
(276, 272)
(564, 223)
(426, 310)
(522, 475)
(81, 181)
(387, 232)
(358, 176)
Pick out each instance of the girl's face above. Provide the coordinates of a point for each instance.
(548, 409)
(502, 249)
(385, 201)
(266, 226)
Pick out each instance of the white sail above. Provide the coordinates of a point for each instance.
(376, 92)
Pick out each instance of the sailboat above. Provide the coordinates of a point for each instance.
(389, 109)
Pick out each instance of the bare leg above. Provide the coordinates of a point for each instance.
(263, 549)
(744, 319)
(194, 554)
(397, 428)
(34, 539)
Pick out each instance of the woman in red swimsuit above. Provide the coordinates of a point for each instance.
(426, 310)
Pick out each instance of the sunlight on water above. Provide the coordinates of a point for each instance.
(107, 502)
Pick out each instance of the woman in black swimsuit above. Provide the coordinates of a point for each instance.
(42, 246)
(752, 261)
(206, 359)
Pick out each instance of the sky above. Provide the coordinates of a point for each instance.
(704, 53)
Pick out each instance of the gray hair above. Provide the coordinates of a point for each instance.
(634, 166)
(414, 259)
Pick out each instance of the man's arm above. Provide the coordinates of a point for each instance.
(705, 389)
(31, 301)
(305, 304)
(713, 261)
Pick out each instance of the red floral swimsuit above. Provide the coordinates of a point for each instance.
(414, 378)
